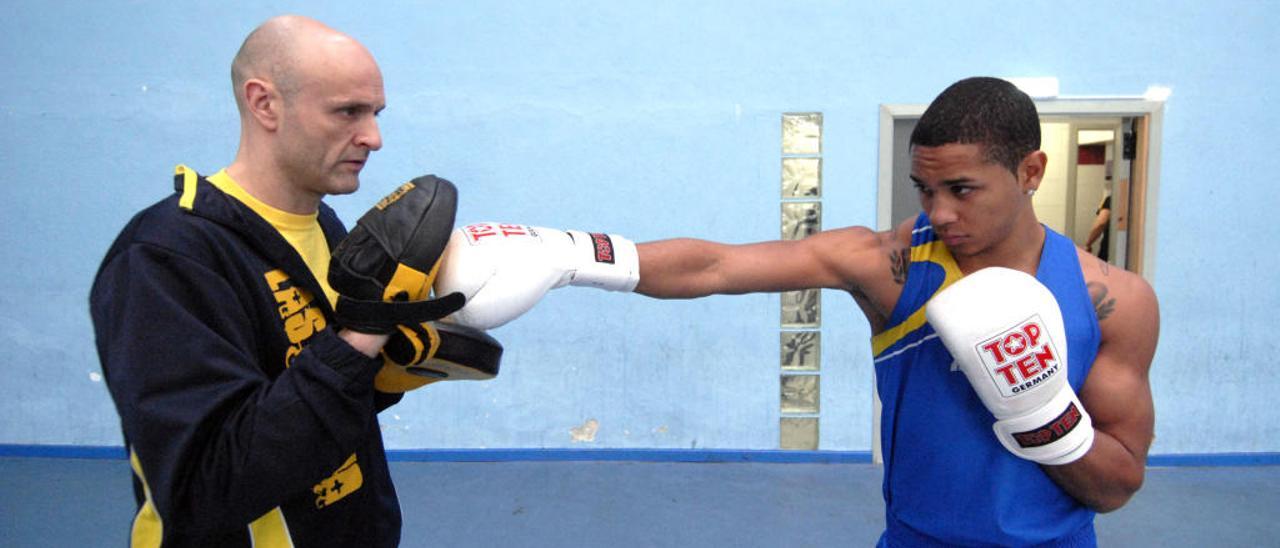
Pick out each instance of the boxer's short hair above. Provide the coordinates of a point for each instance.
(984, 111)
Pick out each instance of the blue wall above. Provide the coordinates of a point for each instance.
(650, 119)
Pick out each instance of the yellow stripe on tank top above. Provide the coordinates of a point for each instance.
(935, 252)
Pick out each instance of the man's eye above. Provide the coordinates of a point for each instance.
(961, 190)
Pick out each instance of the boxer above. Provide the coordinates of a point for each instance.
(1012, 365)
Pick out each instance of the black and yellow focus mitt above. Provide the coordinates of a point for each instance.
(383, 272)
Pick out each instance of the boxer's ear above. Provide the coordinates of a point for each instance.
(1031, 171)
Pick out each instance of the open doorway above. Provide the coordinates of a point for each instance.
(1090, 184)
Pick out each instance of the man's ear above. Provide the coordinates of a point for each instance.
(1031, 170)
(263, 103)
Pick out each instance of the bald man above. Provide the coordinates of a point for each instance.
(249, 419)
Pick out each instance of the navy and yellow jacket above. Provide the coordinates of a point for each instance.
(247, 420)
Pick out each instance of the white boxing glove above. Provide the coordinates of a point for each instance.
(1005, 331)
(505, 269)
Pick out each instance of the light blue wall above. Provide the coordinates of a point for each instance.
(651, 119)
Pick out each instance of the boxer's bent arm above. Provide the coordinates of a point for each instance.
(1117, 395)
(686, 268)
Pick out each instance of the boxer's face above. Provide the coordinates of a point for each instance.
(971, 201)
(329, 125)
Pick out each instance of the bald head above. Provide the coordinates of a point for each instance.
(308, 97)
(287, 51)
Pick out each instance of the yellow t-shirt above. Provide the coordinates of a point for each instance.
(301, 231)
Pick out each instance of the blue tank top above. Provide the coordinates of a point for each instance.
(947, 480)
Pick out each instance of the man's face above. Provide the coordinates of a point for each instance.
(971, 202)
(329, 125)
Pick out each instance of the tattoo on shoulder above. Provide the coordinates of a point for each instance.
(1103, 303)
(899, 259)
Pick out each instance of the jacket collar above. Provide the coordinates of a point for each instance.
(201, 198)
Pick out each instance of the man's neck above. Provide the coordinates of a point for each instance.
(1021, 251)
(271, 187)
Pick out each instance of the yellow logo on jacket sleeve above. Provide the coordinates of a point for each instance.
(346, 480)
(302, 319)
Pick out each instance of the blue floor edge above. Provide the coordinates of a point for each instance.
(107, 452)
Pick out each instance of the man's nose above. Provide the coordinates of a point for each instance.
(369, 136)
(941, 211)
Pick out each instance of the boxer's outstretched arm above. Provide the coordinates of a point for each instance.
(504, 269)
(1117, 394)
(686, 268)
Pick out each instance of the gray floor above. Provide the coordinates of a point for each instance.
(72, 502)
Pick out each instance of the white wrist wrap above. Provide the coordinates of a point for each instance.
(604, 261)
(1058, 432)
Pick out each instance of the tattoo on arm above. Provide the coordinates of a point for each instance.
(1103, 304)
(899, 259)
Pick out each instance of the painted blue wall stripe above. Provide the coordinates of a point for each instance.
(637, 455)
(633, 455)
(64, 451)
(1215, 459)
